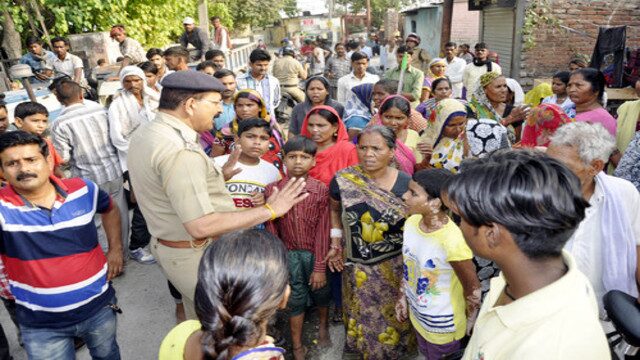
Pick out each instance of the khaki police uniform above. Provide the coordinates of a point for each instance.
(288, 71)
(175, 182)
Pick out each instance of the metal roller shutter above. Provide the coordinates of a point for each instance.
(498, 32)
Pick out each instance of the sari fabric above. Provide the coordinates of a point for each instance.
(543, 122)
(357, 111)
(337, 157)
(486, 136)
(225, 137)
(373, 219)
(447, 153)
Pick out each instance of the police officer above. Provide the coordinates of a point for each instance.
(420, 58)
(180, 190)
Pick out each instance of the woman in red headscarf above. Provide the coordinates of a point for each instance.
(543, 122)
(335, 152)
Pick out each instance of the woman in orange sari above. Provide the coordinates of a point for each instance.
(335, 152)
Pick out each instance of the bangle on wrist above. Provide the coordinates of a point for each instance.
(335, 233)
(273, 213)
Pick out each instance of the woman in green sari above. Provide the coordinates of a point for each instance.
(367, 212)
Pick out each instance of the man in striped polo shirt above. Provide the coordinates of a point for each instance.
(56, 269)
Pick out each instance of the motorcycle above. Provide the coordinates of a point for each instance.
(624, 312)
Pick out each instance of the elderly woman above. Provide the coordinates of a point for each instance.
(367, 212)
(317, 91)
(489, 101)
(437, 69)
(249, 104)
(586, 90)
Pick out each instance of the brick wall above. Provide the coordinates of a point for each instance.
(465, 24)
(579, 20)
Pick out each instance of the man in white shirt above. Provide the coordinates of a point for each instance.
(220, 38)
(67, 63)
(606, 245)
(258, 79)
(455, 68)
(359, 75)
(481, 64)
(541, 306)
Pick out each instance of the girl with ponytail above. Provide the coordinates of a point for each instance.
(242, 282)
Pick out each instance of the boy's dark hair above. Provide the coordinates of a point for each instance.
(205, 64)
(480, 46)
(246, 125)
(179, 51)
(153, 52)
(432, 180)
(537, 198)
(404, 49)
(450, 44)
(19, 137)
(149, 67)
(58, 39)
(259, 55)
(33, 40)
(352, 45)
(29, 108)
(101, 61)
(210, 54)
(300, 143)
(359, 55)
(389, 86)
(67, 91)
(219, 74)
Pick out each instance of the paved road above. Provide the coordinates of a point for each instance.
(148, 314)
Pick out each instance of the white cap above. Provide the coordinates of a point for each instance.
(188, 21)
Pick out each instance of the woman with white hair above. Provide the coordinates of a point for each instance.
(606, 244)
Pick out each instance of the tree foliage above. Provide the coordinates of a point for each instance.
(254, 12)
(152, 22)
(378, 8)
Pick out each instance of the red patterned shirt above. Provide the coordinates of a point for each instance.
(306, 225)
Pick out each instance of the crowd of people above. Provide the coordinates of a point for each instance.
(432, 207)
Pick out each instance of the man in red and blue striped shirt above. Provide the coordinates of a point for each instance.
(57, 272)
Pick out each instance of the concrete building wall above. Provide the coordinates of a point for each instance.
(427, 23)
(465, 24)
(580, 20)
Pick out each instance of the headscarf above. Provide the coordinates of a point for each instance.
(224, 137)
(232, 128)
(436, 61)
(338, 156)
(445, 110)
(126, 107)
(359, 102)
(480, 103)
(543, 122)
(539, 92)
(447, 152)
(429, 77)
(485, 136)
(516, 89)
(403, 156)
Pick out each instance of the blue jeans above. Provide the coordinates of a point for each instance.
(98, 332)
